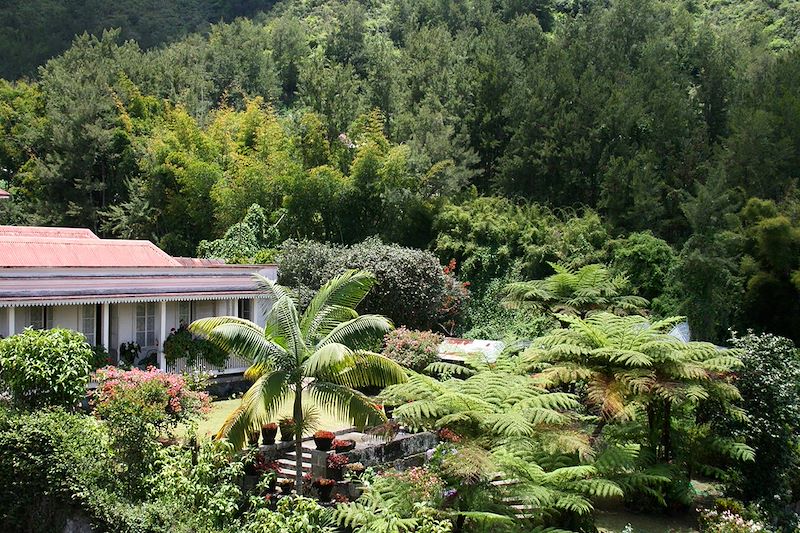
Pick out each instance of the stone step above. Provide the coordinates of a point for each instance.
(285, 472)
(292, 455)
(290, 463)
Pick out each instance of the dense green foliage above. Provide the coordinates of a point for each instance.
(42, 368)
(664, 127)
(768, 382)
(53, 464)
(33, 32)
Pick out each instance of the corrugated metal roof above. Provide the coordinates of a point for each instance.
(39, 231)
(27, 251)
(25, 287)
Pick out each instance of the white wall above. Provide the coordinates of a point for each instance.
(123, 317)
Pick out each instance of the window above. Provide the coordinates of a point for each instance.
(246, 309)
(88, 323)
(40, 318)
(146, 324)
(185, 313)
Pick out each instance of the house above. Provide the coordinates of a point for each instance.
(118, 291)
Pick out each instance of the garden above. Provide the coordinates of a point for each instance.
(608, 419)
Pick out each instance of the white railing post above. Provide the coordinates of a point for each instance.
(106, 325)
(162, 361)
(12, 320)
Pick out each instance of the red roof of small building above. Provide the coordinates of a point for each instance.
(28, 251)
(38, 231)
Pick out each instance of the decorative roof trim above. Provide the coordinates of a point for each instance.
(122, 299)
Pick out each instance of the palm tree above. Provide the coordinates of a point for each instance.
(580, 292)
(318, 357)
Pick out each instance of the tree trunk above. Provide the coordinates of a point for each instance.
(666, 437)
(298, 437)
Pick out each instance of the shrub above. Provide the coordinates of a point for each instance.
(714, 521)
(47, 458)
(769, 383)
(413, 288)
(412, 349)
(45, 367)
(294, 515)
(164, 397)
(324, 435)
(138, 406)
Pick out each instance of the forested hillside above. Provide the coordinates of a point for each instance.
(660, 137)
(33, 31)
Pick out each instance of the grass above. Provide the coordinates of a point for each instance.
(222, 408)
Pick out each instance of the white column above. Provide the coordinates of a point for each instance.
(106, 325)
(12, 320)
(162, 361)
(256, 316)
(234, 307)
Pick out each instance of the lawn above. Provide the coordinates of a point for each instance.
(221, 409)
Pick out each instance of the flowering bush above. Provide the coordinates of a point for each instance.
(166, 397)
(412, 349)
(713, 521)
(324, 435)
(323, 482)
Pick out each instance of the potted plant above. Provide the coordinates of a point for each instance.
(324, 488)
(353, 471)
(268, 433)
(288, 427)
(324, 440)
(252, 438)
(286, 485)
(343, 445)
(335, 463)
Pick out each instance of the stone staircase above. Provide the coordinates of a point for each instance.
(287, 468)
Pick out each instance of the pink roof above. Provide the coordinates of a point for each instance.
(4, 194)
(54, 251)
(38, 231)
